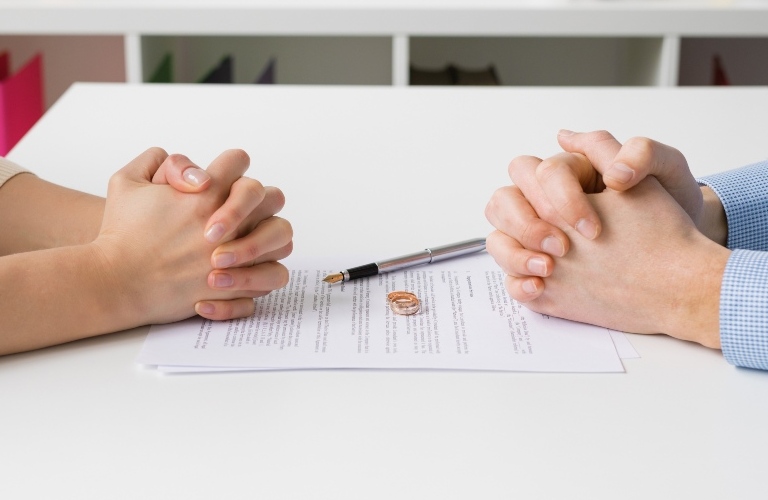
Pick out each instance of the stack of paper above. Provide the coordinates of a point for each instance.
(467, 321)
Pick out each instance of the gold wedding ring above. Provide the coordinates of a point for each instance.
(404, 303)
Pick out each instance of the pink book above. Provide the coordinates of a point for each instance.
(21, 101)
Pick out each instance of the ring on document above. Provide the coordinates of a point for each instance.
(404, 303)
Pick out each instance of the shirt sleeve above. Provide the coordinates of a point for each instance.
(8, 169)
(744, 290)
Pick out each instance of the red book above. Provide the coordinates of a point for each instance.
(5, 65)
(21, 101)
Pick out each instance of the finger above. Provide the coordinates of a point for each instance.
(142, 168)
(181, 173)
(219, 310)
(564, 178)
(524, 289)
(646, 157)
(227, 168)
(263, 277)
(511, 213)
(600, 148)
(244, 196)
(522, 171)
(515, 260)
(270, 235)
(274, 255)
(272, 204)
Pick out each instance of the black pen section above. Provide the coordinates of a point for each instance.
(363, 271)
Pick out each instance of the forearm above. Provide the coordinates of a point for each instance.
(58, 295)
(36, 214)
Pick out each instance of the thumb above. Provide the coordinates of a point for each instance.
(183, 175)
(644, 157)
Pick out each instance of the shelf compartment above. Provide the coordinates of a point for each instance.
(744, 60)
(68, 59)
(550, 61)
(321, 60)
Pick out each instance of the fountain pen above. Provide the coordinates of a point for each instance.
(426, 256)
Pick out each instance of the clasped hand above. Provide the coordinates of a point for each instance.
(612, 234)
(178, 240)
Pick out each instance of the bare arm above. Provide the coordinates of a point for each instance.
(36, 214)
(147, 260)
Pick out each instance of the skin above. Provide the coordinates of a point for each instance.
(76, 265)
(577, 240)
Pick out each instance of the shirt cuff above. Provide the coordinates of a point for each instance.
(744, 309)
(744, 194)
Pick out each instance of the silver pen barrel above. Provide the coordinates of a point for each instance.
(410, 260)
(431, 255)
(456, 249)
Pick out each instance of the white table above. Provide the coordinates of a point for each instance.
(84, 421)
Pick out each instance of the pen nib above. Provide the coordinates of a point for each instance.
(333, 278)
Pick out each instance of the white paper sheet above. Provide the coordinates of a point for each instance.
(467, 321)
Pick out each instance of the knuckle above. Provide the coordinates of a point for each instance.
(519, 163)
(602, 135)
(278, 198)
(230, 214)
(490, 208)
(223, 310)
(567, 207)
(252, 188)
(239, 155)
(642, 147)
(549, 168)
(285, 251)
(286, 229)
(530, 235)
(115, 180)
(283, 275)
(158, 153)
(252, 251)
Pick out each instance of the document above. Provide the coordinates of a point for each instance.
(467, 321)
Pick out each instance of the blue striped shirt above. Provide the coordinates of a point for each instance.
(744, 291)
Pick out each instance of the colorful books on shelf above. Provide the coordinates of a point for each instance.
(21, 100)
(222, 72)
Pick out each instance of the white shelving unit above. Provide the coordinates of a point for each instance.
(364, 42)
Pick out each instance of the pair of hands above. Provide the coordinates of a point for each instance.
(176, 240)
(618, 235)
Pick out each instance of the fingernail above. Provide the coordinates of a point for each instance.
(205, 308)
(565, 132)
(587, 228)
(224, 259)
(529, 286)
(553, 246)
(215, 232)
(223, 280)
(620, 173)
(537, 266)
(195, 176)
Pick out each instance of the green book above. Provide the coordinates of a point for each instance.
(164, 71)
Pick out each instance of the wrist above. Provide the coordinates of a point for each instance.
(122, 282)
(694, 312)
(713, 223)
